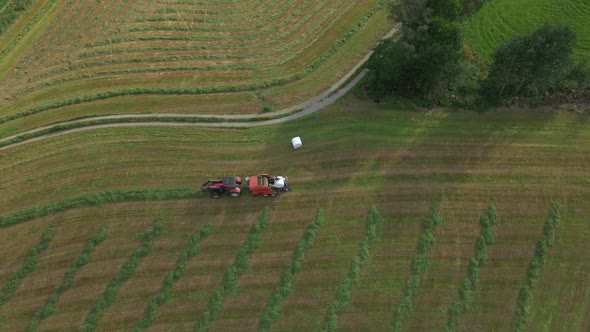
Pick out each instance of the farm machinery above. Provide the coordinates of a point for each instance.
(267, 185)
(229, 185)
(264, 184)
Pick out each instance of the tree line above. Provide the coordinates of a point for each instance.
(429, 63)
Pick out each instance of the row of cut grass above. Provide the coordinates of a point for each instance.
(282, 52)
(28, 266)
(419, 265)
(285, 286)
(344, 289)
(525, 295)
(231, 275)
(471, 281)
(107, 298)
(48, 308)
(150, 313)
(99, 198)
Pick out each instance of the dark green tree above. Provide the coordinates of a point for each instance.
(425, 59)
(533, 64)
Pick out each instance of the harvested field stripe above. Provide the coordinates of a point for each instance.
(230, 278)
(107, 298)
(471, 281)
(419, 264)
(197, 90)
(48, 307)
(525, 295)
(28, 266)
(343, 292)
(98, 198)
(285, 287)
(192, 248)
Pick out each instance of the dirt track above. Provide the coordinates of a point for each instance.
(317, 103)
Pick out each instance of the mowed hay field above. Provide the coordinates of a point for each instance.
(64, 59)
(499, 20)
(355, 156)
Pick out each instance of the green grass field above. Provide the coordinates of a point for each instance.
(499, 20)
(355, 156)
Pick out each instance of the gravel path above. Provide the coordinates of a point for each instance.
(317, 103)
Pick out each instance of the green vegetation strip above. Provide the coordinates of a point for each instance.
(525, 295)
(98, 198)
(419, 265)
(10, 11)
(285, 287)
(192, 248)
(107, 298)
(343, 292)
(229, 285)
(471, 281)
(48, 307)
(28, 266)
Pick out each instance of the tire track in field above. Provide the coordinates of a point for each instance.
(328, 97)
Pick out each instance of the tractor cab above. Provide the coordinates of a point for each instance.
(229, 185)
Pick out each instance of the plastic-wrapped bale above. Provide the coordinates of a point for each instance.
(296, 141)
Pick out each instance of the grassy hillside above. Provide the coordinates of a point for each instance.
(64, 59)
(355, 156)
(498, 20)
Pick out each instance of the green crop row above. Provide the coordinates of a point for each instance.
(229, 284)
(344, 289)
(285, 286)
(471, 281)
(525, 295)
(10, 11)
(48, 307)
(7, 48)
(107, 298)
(192, 248)
(98, 198)
(28, 266)
(419, 265)
(261, 18)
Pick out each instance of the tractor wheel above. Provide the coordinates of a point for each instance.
(215, 194)
(234, 194)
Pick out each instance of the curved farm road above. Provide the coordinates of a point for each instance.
(315, 104)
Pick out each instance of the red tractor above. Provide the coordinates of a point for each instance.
(267, 185)
(229, 185)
